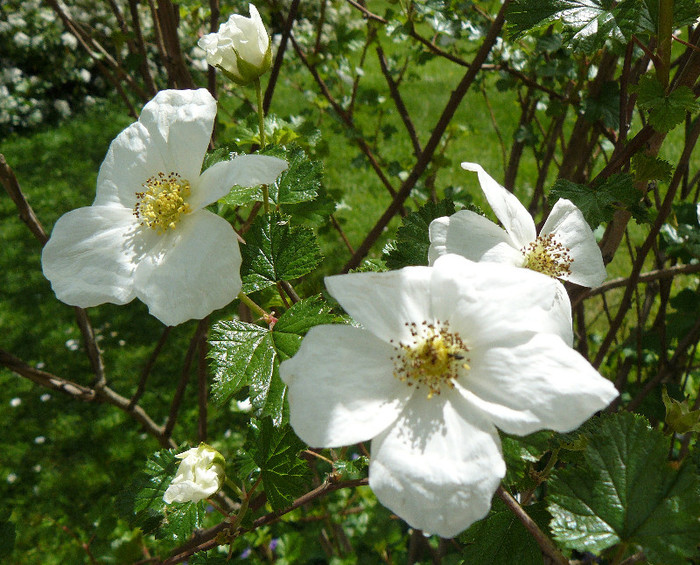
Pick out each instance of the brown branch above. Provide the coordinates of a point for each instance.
(647, 277)
(26, 214)
(141, 388)
(279, 57)
(366, 13)
(346, 118)
(429, 149)
(185, 377)
(690, 339)
(141, 49)
(546, 545)
(398, 102)
(202, 383)
(86, 394)
(344, 237)
(204, 540)
(167, 14)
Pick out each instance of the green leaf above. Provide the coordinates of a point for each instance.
(648, 168)
(412, 240)
(301, 181)
(587, 25)
(277, 251)
(245, 354)
(599, 202)
(275, 451)
(666, 111)
(680, 418)
(352, 468)
(605, 106)
(501, 539)
(8, 534)
(625, 490)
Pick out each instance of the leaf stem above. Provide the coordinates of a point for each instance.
(261, 127)
(269, 318)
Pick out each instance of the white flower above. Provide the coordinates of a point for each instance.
(565, 248)
(147, 234)
(241, 47)
(15, 402)
(200, 474)
(445, 355)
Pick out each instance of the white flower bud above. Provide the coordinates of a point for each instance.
(240, 49)
(200, 474)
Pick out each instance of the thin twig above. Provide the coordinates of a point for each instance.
(206, 539)
(546, 545)
(202, 382)
(398, 102)
(86, 394)
(429, 149)
(141, 388)
(340, 231)
(185, 377)
(279, 57)
(26, 214)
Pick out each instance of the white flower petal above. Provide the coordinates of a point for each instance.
(341, 386)
(508, 209)
(569, 227)
(438, 466)
(539, 383)
(384, 303)
(490, 303)
(180, 123)
(244, 170)
(468, 234)
(90, 257)
(130, 161)
(171, 136)
(194, 270)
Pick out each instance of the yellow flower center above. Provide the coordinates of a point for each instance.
(548, 256)
(433, 357)
(163, 203)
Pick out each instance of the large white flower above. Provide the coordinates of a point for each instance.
(444, 355)
(199, 475)
(565, 247)
(147, 234)
(241, 47)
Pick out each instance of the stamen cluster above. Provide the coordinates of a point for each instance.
(162, 204)
(546, 255)
(432, 358)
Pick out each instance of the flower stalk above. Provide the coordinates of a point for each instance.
(261, 127)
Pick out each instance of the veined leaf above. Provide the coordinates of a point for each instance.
(625, 490)
(412, 239)
(666, 111)
(249, 355)
(277, 251)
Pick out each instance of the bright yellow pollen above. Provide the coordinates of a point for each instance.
(163, 203)
(432, 359)
(546, 255)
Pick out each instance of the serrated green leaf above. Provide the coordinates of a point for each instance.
(245, 354)
(8, 533)
(648, 168)
(277, 251)
(666, 111)
(501, 539)
(412, 239)
(587, 24)
(626, 491)
(599, 202)
(520, 452)
(301, 181)
(351, 469)
(275, 451)
(180, 520)
(605, 106)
